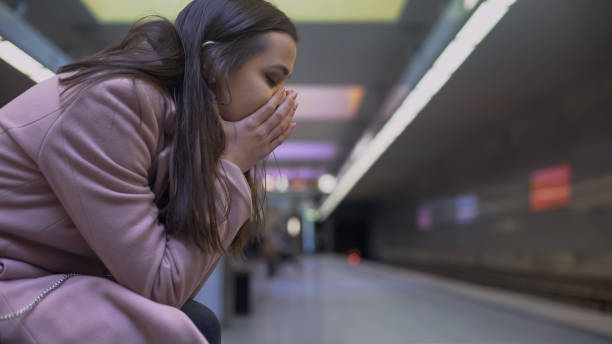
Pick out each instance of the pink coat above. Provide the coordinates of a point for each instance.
(75, 198)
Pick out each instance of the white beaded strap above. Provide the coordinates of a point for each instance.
(37, 300)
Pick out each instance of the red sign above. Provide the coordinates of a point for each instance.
(550, 188)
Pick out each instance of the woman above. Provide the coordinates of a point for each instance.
(125, 178)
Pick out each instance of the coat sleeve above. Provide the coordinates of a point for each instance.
(96, 158)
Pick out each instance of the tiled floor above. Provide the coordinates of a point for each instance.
(329, 301)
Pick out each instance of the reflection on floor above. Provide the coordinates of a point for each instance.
(329, 301)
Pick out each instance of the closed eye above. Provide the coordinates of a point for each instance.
(271, 81)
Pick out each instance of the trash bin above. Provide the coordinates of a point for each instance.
(243, 299)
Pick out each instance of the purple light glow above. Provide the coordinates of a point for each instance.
(466, 208)
(305, 173)
(303, 150)
(424, 218)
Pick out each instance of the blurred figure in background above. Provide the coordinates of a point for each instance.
(277, 246)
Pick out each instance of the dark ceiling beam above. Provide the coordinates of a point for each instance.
(16, 30)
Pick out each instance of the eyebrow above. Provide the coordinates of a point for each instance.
(284, 69)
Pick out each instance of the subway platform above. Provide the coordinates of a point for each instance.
(326, 300)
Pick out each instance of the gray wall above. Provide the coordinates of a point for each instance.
(573, 128)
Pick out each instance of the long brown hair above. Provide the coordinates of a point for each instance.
(171, 56)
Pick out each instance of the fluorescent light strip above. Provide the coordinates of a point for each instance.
(486, 16)
(21, 61)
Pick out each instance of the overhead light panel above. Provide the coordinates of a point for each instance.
(333, 11)
(329, 102)
(318, 11)
(23, 62)
(121, 11)
(305, 150)
(304, 173)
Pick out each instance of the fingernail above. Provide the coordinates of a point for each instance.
(294, 95)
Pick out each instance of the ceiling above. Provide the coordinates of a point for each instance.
(540, 52)
(505, 106)
(371, 54)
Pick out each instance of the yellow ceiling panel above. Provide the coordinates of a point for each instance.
(318, 11)
(121, 11)
(329, 11)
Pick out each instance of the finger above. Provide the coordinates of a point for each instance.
(276, 120)
(278, 116)
(279, 140)
(283, 137)
(267, 110)
(282, 127)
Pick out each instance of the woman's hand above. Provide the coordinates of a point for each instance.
(254, 137)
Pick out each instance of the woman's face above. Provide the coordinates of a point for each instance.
(254, 83)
